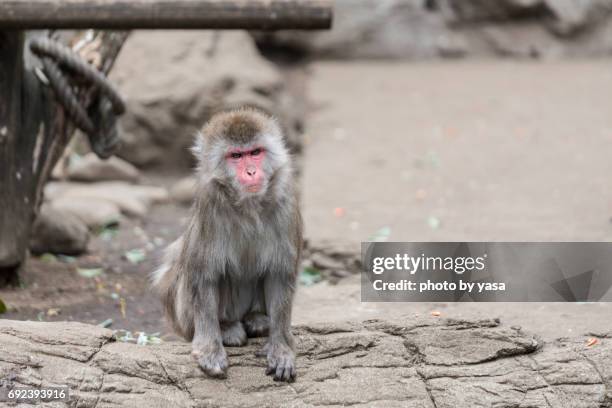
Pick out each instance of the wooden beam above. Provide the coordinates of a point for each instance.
(192, 14)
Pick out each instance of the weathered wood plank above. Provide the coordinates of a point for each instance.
(15, 174)
(211, 14)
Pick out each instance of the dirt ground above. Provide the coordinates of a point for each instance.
(444, 152)
(465, 151)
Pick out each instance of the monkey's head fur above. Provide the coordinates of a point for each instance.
(242, 154)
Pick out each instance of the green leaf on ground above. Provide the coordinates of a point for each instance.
(135, 256)
(309, 276)
(381, 235)
(90, 272)
(108, 232)
(66, 258)
(433, 222)
(47, 257)
(3, 307)
(143, 339)
(107, 323)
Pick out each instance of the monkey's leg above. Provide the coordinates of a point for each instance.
(256, 322)
(233, 334)
(279, 349)
(207, 342)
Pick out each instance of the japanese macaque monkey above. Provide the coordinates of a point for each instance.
(232, 274)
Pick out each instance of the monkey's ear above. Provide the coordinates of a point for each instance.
(198, 146)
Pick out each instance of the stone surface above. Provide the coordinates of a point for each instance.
(132, 200)
(58, 232)
(94, 213)
(175, 80)
(183, 191)
(449, 363)
(457, 28)
(92, 168)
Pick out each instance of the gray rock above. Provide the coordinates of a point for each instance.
(203, 72)
(417, 29)
(183, 191)
(322, 261)
(92, 168)
(94, 213)
(132, 200)
(422, 364)
(58, 232)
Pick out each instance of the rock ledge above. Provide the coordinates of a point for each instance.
(376, 363)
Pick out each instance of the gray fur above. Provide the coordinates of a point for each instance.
(237, 260)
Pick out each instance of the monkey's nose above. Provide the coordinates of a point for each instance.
(251, 171)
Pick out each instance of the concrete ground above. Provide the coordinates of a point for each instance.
(465, 151)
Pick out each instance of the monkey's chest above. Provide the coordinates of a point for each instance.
(252, 253)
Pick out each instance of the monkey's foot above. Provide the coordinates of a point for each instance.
(213, 362)
(234, 335)
(256, 324)
(281, 362)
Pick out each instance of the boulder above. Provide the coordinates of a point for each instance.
(377, 363)
(417, 29)
(91, 168)
(59, 232)
(183, 191)
(131, 200)
(175, 80)
(94, 213)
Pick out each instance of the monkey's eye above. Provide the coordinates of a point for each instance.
(236, 155)
(256, 152)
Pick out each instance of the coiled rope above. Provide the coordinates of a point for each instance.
(99, 122)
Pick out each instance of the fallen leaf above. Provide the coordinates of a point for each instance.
(433, 159)
(100, 286)
(47, 257)
(309, 276)
(592, 342)
(435, 313)
(66, 258)
(420, 194)
(381, 235)
(107, 323)
(433, 222)
(135, 256)
(90, 272)
(53, 312)
(122, 307)
(108, 231)
(123, 335)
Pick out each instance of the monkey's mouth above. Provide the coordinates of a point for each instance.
(253, 188)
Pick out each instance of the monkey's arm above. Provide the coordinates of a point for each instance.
(279, 291)
(207, 341)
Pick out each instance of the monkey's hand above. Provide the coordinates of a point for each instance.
(212, 359)
(281, 362)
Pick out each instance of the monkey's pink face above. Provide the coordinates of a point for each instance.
(248, 167)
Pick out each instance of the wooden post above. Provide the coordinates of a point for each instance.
(14, 190)
(33, 134)
(210, 14)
